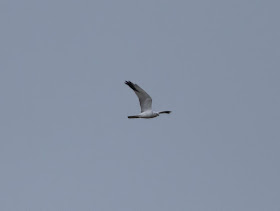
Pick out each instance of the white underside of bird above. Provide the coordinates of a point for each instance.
(145, 103)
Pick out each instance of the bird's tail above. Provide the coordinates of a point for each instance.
(133, 117)
(164, 112)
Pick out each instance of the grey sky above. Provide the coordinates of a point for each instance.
(66, 142)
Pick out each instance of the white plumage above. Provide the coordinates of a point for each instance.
(145, 103)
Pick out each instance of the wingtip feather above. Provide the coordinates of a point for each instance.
(165, 112)
(131, 85)
(133, 117)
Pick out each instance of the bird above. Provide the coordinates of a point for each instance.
(145, 103)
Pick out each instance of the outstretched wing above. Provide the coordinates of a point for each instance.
(144, 99)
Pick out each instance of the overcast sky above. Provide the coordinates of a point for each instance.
(66, 142)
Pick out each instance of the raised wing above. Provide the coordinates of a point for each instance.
(144, 99)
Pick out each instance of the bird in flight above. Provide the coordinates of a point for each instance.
(145, 103)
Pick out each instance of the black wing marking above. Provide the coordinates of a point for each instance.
(131, 85)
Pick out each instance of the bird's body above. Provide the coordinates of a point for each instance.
(145, 115)
(145, 103)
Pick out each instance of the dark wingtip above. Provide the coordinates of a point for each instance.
(133, 117)
(128, 82)
(131, 85)
(165, 112)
